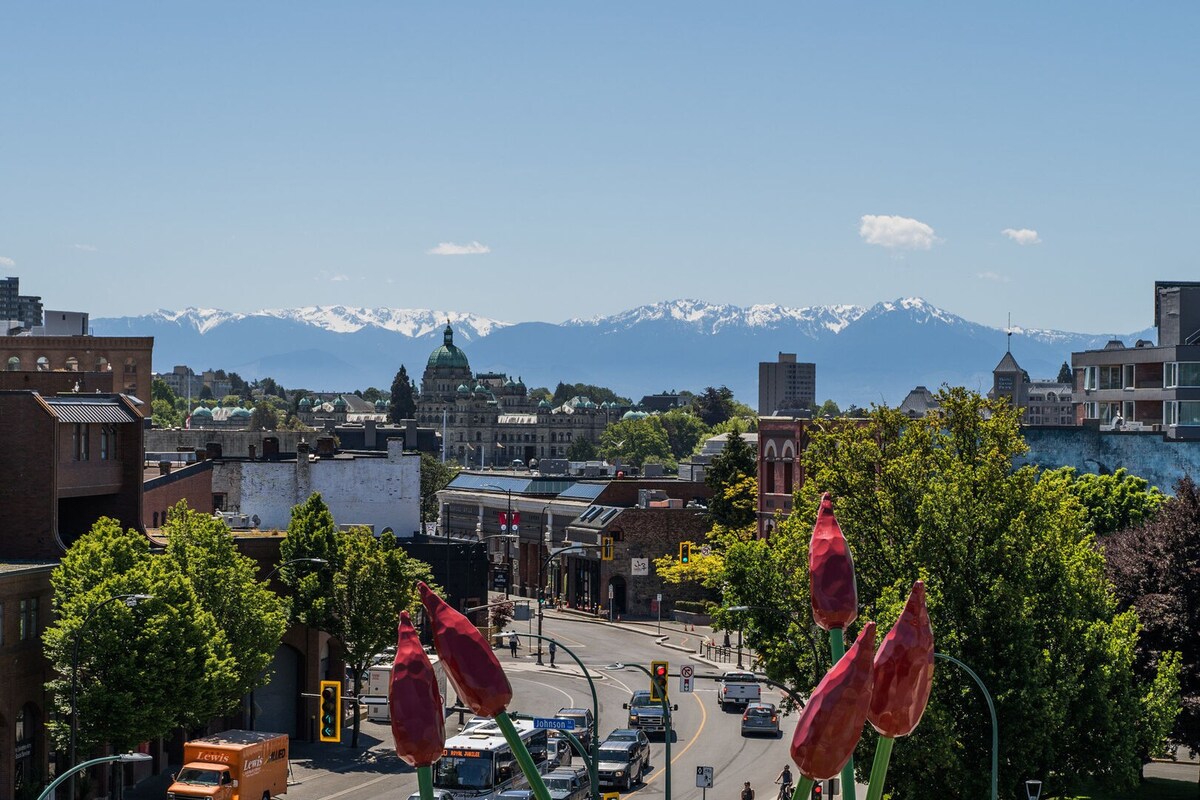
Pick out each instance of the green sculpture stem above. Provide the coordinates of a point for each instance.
(837, 648)
(523, 758)
(879, 768)
(803, 788)
(425, 782)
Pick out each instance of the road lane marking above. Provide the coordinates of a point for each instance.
(680, 754)
(359, 786)
(570, 698)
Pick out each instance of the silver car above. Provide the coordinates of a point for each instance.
(760, 718)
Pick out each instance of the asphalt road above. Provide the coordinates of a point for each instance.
(704, 734)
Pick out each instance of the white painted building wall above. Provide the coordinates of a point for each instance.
(359, 490)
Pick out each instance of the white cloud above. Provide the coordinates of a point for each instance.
(992, 276)
(1022, 236)
(339, 277)
(452, 249)
(87, 248)
(7, 262)
(897, 233)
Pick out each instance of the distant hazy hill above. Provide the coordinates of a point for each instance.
(863, 355)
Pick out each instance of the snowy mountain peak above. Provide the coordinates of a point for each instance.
(411, 322)
(713, 317)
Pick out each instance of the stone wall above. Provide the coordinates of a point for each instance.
(1148, 455)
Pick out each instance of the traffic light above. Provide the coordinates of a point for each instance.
(685, 552)
(658, 680)
(606, 548)
(817, 792)
(331, 711)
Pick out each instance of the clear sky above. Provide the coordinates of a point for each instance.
(546, 160)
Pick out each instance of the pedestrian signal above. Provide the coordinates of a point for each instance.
(606, 548)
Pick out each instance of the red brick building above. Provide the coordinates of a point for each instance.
(86, 364)
(781, 440)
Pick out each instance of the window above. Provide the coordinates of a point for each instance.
(1091, 410)
(1110, 377)
(104, 434)
(1127, 410)
(1090, 377)
(1184, 412)
(1127, 377)
(29, 619)
(79, 441)
(1170, 375)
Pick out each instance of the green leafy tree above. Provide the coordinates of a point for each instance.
(206, 392)
(143, 670)
(581, 449)
(714, 405)
(403, 404)
(827, 409)
(231, 401)
(435, 476)
(159, 390)
(732, 477)
(1112, 502)
(264, 416)
(239, 386)
(1064, 374)
(251, 616)
(1015, 587)
(165, 415)
(358, 596)
(685, 432)
(372, 394)
(636, 441)
(598, 394)
(541, 393)
(1155, 568)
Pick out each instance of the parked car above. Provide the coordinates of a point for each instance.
(633, 735)
(507, 794)
(645, 713)
(559, 753)
(620, 764)
(439, 794)
(760, 718)
(738, 688)
(567, 784)
(583, 719)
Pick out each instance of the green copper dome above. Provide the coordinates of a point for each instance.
(305, 405)
(339, 404)
(448, 356)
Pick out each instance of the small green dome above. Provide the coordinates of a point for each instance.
(201, 411)
(240, 413)
(339, 404)
(448, 356)
(381, 405)
(544, 403)
(480, 389)
(305, 405)
(463, 389)
(634, 415)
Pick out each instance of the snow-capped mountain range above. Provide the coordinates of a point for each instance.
(863, 354)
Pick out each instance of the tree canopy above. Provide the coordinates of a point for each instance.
(435, 475)
(636, 441)
(402, 404)
(357, 597)
(1015, 587)
(598, 394)
(732, 477)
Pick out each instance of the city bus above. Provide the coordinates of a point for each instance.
(479, 764)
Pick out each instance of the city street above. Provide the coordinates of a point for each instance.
(705, 736)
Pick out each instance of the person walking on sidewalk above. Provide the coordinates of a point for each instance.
(512, 644)
(553, 650)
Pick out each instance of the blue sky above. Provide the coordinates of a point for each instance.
(551, 160)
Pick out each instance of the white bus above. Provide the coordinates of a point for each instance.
(479, 764)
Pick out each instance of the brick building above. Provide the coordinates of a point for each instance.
(781, 440)
(105, 364)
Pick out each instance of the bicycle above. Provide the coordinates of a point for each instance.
(785, 791)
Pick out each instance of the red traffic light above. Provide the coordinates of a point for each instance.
(817, 793)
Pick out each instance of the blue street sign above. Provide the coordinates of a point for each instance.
(554, 724)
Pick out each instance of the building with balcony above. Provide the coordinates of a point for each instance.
(1147, 386)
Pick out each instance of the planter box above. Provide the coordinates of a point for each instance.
(692, 618)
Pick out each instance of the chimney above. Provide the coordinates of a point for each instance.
(164, 468)
(270, 447)
(213, 449)
(325, 446)
(201, 454)
(253, 452)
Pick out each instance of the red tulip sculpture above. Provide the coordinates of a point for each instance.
(834, 592)
(417, 712)
(903, 681)
(477, 676)
(832, 722)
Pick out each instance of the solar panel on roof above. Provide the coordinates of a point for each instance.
(612, 512)
(583, 491)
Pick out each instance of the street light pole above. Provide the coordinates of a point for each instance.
(130, 601)
(506, 527)
(541, 587)
(124, 758)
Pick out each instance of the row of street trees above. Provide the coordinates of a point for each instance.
(1016, 586)
(206, 635)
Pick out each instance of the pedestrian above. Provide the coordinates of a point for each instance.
(553, 650)
(747, 792)
(512, 644)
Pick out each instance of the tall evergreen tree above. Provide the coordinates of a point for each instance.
(403, 404)
(732, 473)
(1064, 373)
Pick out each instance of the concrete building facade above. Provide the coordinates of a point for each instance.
(786, 385)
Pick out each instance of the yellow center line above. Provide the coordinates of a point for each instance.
(680, 754)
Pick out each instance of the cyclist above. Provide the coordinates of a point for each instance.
(747, 792)
(785, 782)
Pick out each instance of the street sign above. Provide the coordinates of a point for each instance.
(639, 566)
(553, 724)
(686, 678)
(658, 597)
(704, 777)
(610, 591)
(706, 550)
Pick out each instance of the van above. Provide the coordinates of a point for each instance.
(234, 765)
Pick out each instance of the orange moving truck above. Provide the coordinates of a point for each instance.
(234, 765)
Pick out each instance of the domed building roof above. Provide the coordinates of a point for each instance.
(339, 404)
(201, 411)
(305, 405)
(480, 389)
(634, 415)
(380, 405)
(544, 403)
(463, 389)
(240, 413)
(508, 384)
(448, 356)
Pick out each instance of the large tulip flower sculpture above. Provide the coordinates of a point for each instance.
(477, 675)
(890, 687)
(418, 721)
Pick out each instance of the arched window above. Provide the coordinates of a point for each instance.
(43, 364)
(14, 364)
(102, 364)
(72, 364)
(130, 367)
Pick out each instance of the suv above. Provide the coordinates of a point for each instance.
(645, 713)
(633, 735)
(620, 764)
(566, 784)
(760, 718)
(583, 719)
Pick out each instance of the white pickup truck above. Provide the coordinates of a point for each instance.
(738, 689)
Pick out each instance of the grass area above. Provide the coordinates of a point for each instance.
(1151, 789)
